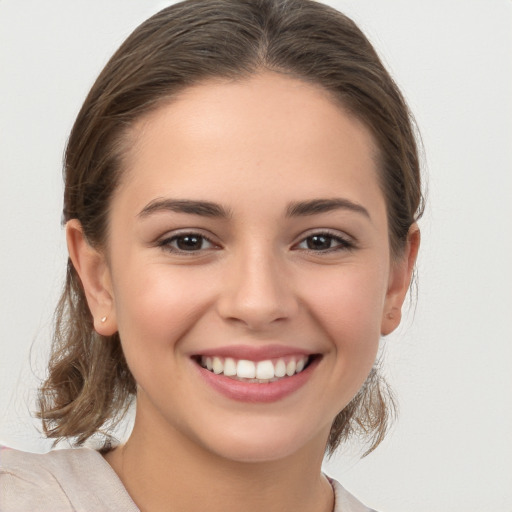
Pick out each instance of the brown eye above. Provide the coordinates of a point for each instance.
(325, 242)
(319, 242)
(187, 242)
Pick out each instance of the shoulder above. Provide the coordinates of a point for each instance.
(28, 481)
(346, 502)
(59, 481)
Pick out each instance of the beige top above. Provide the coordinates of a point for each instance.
(81, 480)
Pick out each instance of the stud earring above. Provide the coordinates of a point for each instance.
(103, 319)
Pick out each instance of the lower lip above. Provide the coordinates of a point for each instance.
(254, 391)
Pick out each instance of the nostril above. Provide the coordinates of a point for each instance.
(256, 294)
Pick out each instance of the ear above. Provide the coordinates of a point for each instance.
(399, 280)
(94, 273)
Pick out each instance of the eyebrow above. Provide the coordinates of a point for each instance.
(316, 206)
(209, 209)
(203, 208)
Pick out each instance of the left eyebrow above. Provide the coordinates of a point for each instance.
(316, 206)
(203, 208)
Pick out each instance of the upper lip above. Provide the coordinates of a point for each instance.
(254, 353)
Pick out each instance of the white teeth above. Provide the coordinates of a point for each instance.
(261, 371)
(229, 367)
(265, 370)
(290, 368)
(280, 368)
(217, 366)
(246, 369)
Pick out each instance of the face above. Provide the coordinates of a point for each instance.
(249, 272)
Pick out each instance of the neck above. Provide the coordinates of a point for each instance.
(172, 472)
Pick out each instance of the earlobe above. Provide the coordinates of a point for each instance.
(399, 282)
(94, 273)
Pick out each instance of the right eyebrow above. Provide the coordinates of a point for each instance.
(203, 208)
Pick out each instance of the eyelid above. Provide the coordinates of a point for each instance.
(164, 241)
(346, 242)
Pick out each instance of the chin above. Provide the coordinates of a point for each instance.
(254, 453)
(266, 443)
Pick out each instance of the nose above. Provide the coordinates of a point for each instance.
(258, 292)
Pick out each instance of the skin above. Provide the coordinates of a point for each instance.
(252, 147)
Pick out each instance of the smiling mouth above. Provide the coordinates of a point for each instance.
(266, 371)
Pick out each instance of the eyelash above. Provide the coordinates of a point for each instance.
(167, 243)
(342, 244)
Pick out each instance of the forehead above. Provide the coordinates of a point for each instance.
(269, 131)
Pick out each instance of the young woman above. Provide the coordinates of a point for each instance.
(242, 191)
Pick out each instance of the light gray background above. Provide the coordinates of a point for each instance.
(450, 365)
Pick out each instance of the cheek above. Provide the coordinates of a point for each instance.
(350, 311)
(155, 309)
(156, 306)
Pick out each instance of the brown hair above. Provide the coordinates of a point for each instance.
(89, 384)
